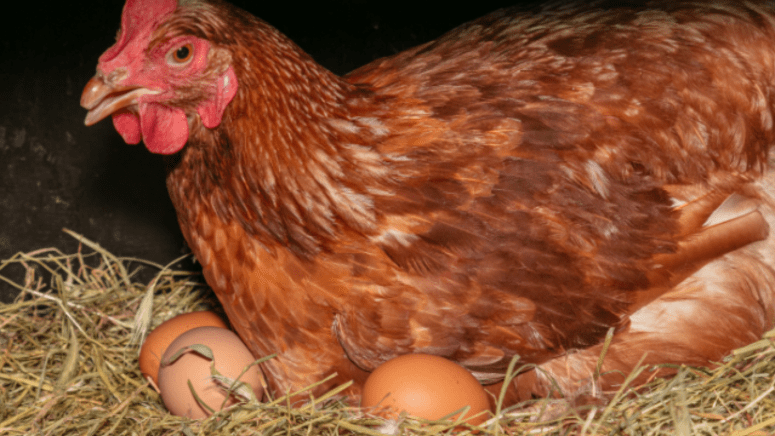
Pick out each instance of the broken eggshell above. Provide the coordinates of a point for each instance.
(186, 366)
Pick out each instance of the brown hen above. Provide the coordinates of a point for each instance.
(518, 187)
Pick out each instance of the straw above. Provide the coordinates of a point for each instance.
(68, 365)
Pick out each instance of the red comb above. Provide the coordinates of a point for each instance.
(139, 16)
(141, 13)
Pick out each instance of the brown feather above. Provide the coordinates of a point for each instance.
(519, 186)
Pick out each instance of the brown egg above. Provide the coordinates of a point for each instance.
(424, 386)
(230, 356)
(162, 336)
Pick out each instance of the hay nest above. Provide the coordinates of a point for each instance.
(68, 365)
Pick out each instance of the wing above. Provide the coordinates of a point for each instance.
(547, 184)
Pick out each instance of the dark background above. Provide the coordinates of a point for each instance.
(55, 172)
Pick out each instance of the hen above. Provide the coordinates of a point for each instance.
(520, 186)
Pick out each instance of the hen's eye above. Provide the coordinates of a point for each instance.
(183, 53)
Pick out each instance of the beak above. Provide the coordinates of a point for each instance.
(101, 98)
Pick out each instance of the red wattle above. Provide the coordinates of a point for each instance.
(164, 129)
(127, 125)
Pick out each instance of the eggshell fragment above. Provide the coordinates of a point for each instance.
(162, 336)
(424, 386)
(230, 356)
